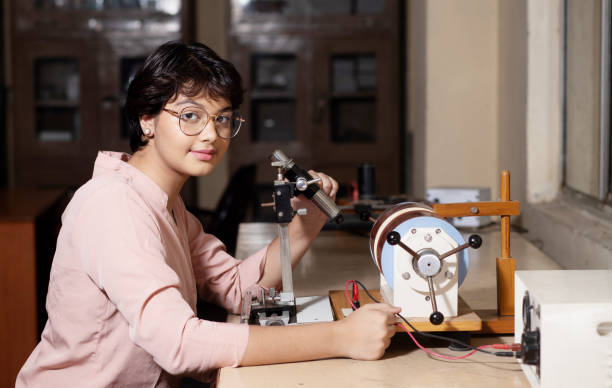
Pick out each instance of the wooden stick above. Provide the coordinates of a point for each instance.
(505, 265)
(505, 219)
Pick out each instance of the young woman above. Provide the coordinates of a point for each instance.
(130, 258)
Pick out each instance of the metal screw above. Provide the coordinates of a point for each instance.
(413, 231)
(448, 274)
(278, 193)
(438, 231)
(474, 210)
(427, 298)
(428, 237)
(280, 214)
(406, 275)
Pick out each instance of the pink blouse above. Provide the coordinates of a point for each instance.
(122, 293)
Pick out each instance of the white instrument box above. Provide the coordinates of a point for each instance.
(567, 318)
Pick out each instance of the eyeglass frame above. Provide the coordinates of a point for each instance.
(208, 116)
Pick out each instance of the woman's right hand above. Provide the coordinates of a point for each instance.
(367, 331)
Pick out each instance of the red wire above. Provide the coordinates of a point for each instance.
(346, 292)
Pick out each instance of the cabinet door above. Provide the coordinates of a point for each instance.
(277, 77)
(356, 117)
(55, 116)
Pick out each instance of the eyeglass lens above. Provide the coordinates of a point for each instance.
(193, 121)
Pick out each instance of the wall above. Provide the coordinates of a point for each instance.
(512, 94)
(211, 29)
(454, 84)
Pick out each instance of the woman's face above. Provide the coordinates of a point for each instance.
(195, 155)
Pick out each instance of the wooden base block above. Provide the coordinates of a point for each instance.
(467, 320)
(492, 323)
(505, 285)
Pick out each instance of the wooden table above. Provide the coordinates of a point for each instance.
(21, 211)
(337, 256)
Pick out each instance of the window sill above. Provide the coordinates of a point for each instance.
(574, 230)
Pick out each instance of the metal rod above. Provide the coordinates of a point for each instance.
(432, 293)
(285, 256)
(453, 251)
(409, 250)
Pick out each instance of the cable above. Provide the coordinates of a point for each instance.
(403, 327)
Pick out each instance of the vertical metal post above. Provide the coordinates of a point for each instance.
(285, 257)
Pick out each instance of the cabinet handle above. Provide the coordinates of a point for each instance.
(108, 102)
(320, 108)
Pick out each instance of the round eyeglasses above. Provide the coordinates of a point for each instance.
(193, 120)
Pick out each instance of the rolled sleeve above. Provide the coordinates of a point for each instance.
(121, 249)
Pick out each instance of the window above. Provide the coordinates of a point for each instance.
(587, 144)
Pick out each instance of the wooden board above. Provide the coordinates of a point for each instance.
(492, 323)
(467, 320)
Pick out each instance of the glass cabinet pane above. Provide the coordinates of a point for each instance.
(273, 120)
(57, 79)
(353, 120)
(274, 72)
(353, 104)
(311, 7)
(171, 7)
(57, 93)
(128, 66)
(353, 73)
(347, 7)
(273, 106)
(57, 124)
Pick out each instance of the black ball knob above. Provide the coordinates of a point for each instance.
(364, 215)
(393, 238)
(436, 318)
(475, 241)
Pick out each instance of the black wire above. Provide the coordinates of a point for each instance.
(427, 334)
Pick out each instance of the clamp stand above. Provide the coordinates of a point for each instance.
(505, 264)
(273, 309)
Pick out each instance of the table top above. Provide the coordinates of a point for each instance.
(337, 256)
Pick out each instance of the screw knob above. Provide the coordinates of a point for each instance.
(436, 318)
(393, 238)
(475, 241)
(365, 216)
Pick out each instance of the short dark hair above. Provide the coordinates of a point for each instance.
(177, 67)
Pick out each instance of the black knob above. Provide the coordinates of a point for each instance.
(475, 241)
(530, 347)
(393, 238)
(365, 215)
(436, 318)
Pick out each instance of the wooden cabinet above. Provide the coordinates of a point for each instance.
(29, 223)
(72, 61)
(322, 82)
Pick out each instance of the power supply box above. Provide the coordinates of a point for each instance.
(461, 194)
(563, 320)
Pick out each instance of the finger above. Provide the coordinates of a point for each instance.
(320, 175)
(334, 189)
(325, 183)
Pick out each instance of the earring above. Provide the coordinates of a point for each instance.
(147, 131)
